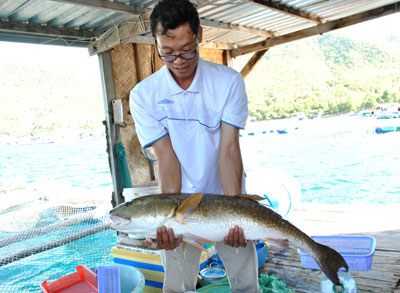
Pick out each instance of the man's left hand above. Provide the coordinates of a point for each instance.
(235, 237)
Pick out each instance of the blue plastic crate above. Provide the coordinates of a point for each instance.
(356, 250)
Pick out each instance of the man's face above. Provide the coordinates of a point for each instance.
(178, 41)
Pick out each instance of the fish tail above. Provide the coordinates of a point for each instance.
(330, 261)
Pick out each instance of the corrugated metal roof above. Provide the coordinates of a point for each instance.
(227, 24)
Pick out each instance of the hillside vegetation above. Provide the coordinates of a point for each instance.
(50, 95)
(330, 74)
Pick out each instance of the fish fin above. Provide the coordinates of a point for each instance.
(330, 261)
(193, 243)
(279, 243)
(188, 207)
(197, 238)
(252, 197)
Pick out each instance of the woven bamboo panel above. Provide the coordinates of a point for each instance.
(145, 60)
(124, 70)
(213, 55)
(128, 70)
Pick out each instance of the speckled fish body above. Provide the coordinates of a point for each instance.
(211, 220)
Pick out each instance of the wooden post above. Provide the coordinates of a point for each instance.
(227, 58)
(252, 62)
(112, 129)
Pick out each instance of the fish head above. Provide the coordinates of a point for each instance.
(141, 216)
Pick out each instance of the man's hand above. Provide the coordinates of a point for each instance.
(235, 237)
(166, 239)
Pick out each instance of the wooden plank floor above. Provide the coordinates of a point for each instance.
(383, 223)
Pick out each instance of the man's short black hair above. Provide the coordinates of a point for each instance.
(172, 14)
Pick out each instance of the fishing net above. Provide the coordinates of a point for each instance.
(268, 284)
(46, 232)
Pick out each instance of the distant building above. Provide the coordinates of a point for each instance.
(388, 107)
(299, 115)
(367, 113)
(314, 114)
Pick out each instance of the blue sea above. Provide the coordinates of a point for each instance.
(331, 161)
(335, 160)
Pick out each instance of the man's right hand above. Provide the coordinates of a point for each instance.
(166, 239)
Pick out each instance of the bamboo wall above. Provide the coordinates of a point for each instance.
(131, 64)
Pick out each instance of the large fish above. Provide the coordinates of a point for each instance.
(206, 218)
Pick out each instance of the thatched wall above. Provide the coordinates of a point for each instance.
(131, 64)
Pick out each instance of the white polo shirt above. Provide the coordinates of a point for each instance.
(192, 118)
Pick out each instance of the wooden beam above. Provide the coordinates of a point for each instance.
(44, 30)
(107, 81)
(107, 5)
(319, 29)
(252, 62)
(236, 28)
(220, 46)
(121, 34)
(285, 9)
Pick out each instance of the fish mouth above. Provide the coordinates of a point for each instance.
(118, 222)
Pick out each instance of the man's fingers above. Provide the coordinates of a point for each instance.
(171, 239)
(179, 240)
(159, 239)
(226, 240)
(148, 242)
(236, 237)
(165, 238)
(230, 237)
(242, 240)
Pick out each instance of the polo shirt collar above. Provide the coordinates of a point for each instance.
(195, 87)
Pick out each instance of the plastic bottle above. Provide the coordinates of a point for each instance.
(349, 284)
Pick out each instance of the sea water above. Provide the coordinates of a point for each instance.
(334, 160)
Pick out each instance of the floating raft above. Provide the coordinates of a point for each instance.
(384, 275)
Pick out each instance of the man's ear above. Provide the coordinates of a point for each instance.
(200, 34)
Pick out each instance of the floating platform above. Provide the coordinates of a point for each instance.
(381, 222)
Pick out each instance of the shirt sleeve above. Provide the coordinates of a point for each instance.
(236, 108)
(148, 128)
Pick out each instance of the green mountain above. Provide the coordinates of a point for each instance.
(331, 73)
(49, 95)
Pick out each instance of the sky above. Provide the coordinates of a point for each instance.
(376, 29)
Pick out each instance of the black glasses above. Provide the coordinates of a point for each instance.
(186, 55)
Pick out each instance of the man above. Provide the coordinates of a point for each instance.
(190, 112)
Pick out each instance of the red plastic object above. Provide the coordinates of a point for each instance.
(83, 281)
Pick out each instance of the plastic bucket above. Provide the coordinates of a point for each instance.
(131, 279)
(210, 275)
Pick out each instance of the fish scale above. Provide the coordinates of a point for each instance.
(204, 218)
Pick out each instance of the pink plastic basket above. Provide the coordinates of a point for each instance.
(83, 281)
(356, 250)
